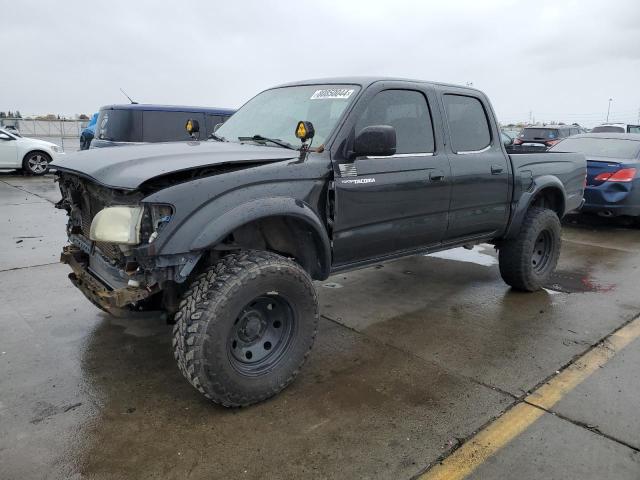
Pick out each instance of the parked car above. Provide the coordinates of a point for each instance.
(12, 129)
(616, 128)
(511, 132)
(119, 125)
(88, 133)
(546, 136)
(506, 138)
(305, 180)
(613, 172)
(30, 155)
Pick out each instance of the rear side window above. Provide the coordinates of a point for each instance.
(159, 126)
(633, 129)
(119, 125)
(408, 112)
(468, 123)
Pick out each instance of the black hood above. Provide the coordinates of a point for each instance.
(128, 167)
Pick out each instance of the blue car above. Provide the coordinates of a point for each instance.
(88, 132)
(120, 125)
(613, 172)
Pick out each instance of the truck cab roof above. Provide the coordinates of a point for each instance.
(148, 107)
(365, 81)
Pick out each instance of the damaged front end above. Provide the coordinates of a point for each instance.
(112, 256)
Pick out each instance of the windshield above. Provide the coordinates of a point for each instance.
(275, 113)
(600, 147)
(539, 134)
(608, 129)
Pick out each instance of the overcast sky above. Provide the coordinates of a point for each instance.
(562, 60)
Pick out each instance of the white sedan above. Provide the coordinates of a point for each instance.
(30, 155)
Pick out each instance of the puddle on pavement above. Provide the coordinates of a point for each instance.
(576, 282)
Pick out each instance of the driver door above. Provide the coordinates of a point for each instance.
(8, 151)
(399, 203)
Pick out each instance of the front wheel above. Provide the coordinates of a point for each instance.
(528, 260)
(36, 163)
(245, 327)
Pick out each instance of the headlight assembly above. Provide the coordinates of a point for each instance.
(57, 149)
(117, 225)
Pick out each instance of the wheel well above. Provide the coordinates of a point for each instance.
(551, 198)
(36, 151)
(288, 236)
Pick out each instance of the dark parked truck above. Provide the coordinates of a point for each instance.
(305, 180)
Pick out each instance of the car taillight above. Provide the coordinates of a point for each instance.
(517, 141)
(551, 143)
(622, 175)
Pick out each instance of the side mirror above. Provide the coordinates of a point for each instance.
(375, 141)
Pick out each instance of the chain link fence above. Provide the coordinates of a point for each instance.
(65, 133)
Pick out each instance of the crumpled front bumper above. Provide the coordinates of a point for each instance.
(96, 291)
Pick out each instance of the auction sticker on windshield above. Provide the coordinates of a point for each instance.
(332, 93)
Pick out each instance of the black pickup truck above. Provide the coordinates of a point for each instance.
(305, 180)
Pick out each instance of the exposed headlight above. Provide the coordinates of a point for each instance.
(117, 225)
(57, 149)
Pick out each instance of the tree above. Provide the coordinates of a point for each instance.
(17, 114)
(3, 115)
(82, 116)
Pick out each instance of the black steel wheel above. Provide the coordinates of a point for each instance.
(261, 335)
(543, 249)
(245, 327)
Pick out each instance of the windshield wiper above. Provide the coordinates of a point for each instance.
(217, 138)
(260, 138)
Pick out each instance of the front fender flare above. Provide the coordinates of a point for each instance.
(216, 230)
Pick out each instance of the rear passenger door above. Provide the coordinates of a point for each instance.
(480, 171)
(397, 203)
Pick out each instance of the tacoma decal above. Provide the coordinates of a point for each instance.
(359, 180)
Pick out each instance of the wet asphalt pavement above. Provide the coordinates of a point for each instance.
(412, 357)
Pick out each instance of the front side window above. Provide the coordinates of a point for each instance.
(468, 123)
(275, 113)
(405, 110)
(633, 129)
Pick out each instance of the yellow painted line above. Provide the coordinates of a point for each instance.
(501, 431)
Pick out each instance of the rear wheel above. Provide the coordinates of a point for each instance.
(36, 163)
(245, 327)
(528, 260)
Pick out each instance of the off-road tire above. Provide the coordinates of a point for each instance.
(209, 312)
(32, 163)
(517, 256)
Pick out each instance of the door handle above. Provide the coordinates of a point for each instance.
(436, 175)
(496, 169)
